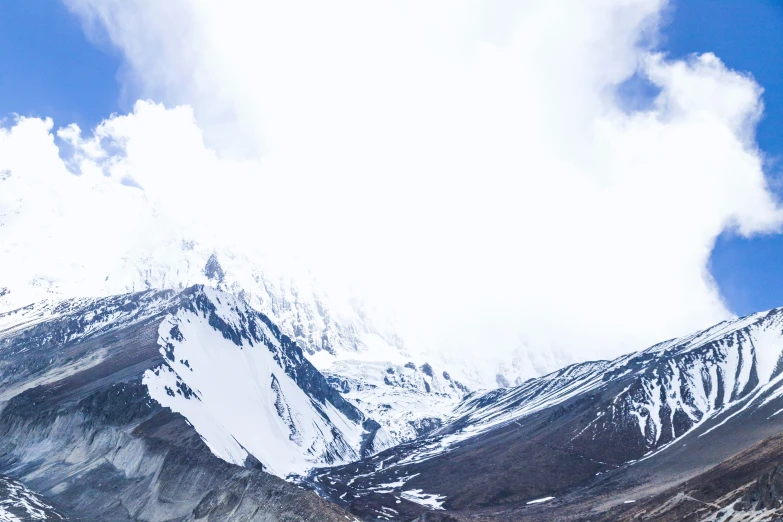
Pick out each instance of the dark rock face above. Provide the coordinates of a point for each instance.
(79, 428)
(766, 493)
(368, 443)
(213, 270)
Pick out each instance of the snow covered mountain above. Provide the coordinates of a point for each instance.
(151, 250)
(339, 340)
(645, 420)
(143, 390)
(303, 311)
(117, 240)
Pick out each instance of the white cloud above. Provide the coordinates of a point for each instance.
(466, 166)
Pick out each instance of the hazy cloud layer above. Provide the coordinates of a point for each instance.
(467, 167)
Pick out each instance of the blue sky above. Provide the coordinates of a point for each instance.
(50, 69)
(748, 36)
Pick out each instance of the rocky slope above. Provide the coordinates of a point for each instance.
(745, 487)
(145, 406)
(579, 441)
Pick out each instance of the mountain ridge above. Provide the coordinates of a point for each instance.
(664, 413)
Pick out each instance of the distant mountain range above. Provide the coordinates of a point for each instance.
(194, 404)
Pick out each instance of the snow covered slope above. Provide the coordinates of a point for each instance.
(248, 390)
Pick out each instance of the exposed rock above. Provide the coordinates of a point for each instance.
(213, 270)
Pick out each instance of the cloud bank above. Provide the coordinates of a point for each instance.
(468, 168)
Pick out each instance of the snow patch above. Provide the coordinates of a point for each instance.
(432, 501)
(238, 397)
(540, 500)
